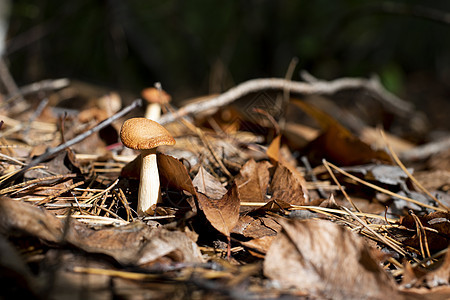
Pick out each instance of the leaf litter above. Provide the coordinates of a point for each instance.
(250, 208)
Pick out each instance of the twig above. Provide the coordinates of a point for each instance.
(320, 87)
(380, 189)
(285, 99)
(421, 235)
(51, 197)
(7, 79)
(379, 236)
(405, 170)
(326, 164)
(309, 171)
(34, 181)
(44, 85)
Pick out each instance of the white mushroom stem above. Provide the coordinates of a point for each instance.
(153, 111)
(149, 190)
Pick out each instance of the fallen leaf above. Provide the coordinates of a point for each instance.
(223, 214)
(433, 180)
(287, 186)
(260, 245)
(17, 217)
(253, 181)
(442, 292)
(336, 143)
(135, 243)
(436, 241)
(441, 275)
(256, 227)
(273, 151)
(208, 185)
(174, 174)
(273, 206)
(385, 174)
(327, 261)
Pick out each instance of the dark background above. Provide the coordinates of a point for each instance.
(199, 47)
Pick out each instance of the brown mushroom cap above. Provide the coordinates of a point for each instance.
(143, 134)
(153, 95)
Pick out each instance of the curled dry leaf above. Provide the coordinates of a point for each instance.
(337, 143)
(223, 214)
(208, 185)
(174, 174)
(440, 276)
(134, 243)
(256, 227)
(438, 238)
(274, 153)
(17, 217)
(253, 181)
(287, 186)
(326, 261)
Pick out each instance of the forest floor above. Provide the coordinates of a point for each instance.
(274, 189)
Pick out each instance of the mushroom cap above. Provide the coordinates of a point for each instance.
(144, 134)
(153, 95)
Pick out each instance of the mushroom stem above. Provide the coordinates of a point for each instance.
(149, 190)
(153, 111)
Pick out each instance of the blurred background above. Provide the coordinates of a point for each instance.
(199, 47)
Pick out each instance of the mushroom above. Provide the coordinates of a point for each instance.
(145, 135)
(155, 97)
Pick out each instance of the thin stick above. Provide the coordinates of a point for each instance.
(115, 273)
(49, 198)
(384, 190)
(413, 179)
(380, 237)
(44, 85)
(8, 80)
(325, 163)
(320, 87)
(422, 235)
(285, 99)
(120, 194)
(30, 182)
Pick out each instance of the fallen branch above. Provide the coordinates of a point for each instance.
(306, 88)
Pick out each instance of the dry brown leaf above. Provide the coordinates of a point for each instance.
(253, 181)
(438, 293)
(135, 243)
(336, 143)
(208, 185)
(174, 174)
(288, 186)
(440, 276)
(433, 180)
(223, 214)
(436, 241)
(261, 245)
(22, 218)
(273, 151)
(256, 227)
(327, 261)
